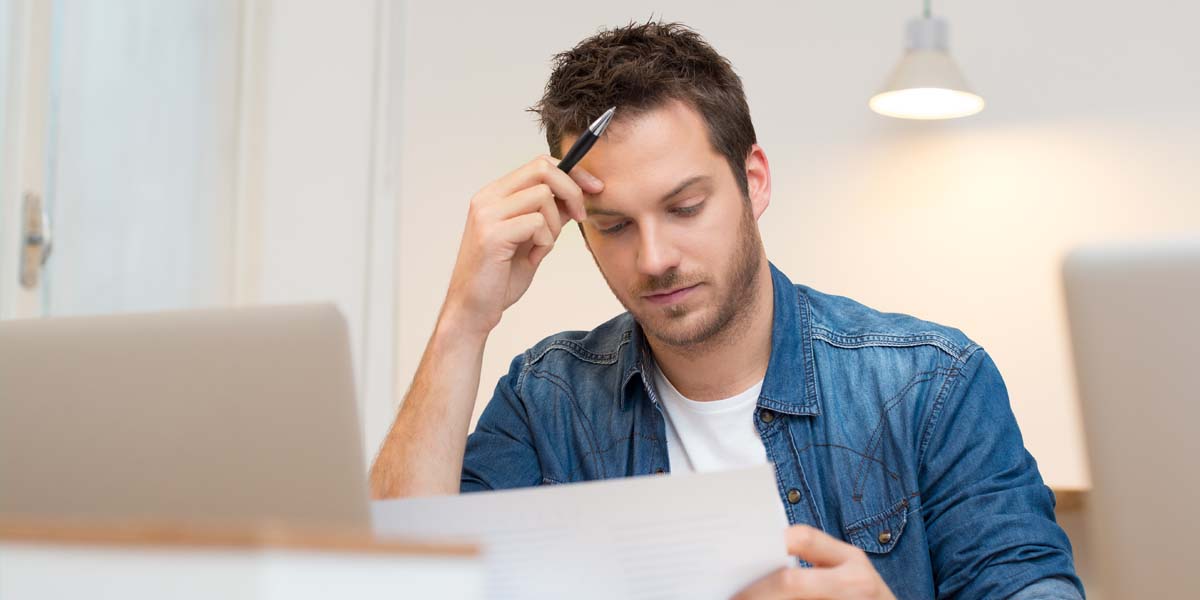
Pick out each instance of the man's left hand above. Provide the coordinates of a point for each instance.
(839, 572)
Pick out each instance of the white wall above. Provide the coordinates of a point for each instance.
(1090, 133)
(316, 219)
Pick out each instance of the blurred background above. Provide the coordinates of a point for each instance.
(230, 152)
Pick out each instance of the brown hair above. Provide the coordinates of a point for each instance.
(638, 68)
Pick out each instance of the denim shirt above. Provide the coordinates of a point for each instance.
(888, 432)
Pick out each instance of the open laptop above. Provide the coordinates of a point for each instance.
(1134, 312)
(229, 416)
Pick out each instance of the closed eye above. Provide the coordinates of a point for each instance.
(615, 228)
(679, 211)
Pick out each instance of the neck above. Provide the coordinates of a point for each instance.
(732, 360)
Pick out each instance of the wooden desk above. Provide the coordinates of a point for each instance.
(1069, 499)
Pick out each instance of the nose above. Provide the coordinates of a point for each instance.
(657, 254)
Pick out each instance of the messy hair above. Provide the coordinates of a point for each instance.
(641, 67)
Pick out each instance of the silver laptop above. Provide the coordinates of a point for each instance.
(1134, 312)
(229, 416)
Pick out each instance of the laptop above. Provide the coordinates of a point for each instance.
(226, 416)
(1134, 313)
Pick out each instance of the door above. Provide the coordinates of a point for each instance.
(120, 162)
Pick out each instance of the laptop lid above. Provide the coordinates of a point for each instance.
(1134, 313)
(228, 416)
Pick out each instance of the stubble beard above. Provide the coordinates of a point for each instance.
(733, 307)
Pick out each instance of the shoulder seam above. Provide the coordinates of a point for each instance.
(949, 388)
(959, 353)
(579, 351)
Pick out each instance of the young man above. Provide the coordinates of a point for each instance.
(898, 460)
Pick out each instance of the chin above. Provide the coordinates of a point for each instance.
(685, 329)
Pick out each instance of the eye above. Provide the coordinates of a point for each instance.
(615, 229)
(687, 211)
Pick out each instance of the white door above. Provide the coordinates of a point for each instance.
(24, 54)
(122, 133)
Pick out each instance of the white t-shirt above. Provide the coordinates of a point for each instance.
(710, 436)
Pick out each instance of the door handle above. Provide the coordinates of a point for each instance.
(36, 241)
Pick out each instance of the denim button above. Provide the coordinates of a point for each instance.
(766, 416)
(885, 537)
(793, 495)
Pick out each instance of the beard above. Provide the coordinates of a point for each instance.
(688, 327)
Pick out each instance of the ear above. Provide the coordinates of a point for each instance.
(758, 180)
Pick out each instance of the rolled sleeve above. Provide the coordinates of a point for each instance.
(988, 515)
(1054, 588)
(499, 453)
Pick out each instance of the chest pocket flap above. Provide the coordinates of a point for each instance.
(878, 534)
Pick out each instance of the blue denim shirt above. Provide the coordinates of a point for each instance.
(888, 432)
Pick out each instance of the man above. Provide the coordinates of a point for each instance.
(899, 462)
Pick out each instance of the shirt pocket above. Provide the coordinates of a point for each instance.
(878, 534)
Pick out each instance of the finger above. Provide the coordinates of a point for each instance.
(529, 227)
(589, 183)
(793, 583)
(537, 253)
(583, 178)
(539, 198)
(544, 170)
(817, 547)
(566, 189)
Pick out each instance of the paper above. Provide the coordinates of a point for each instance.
(679, 536)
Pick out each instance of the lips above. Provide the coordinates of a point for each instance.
(672, 296)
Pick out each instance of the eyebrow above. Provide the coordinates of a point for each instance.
(683, 185)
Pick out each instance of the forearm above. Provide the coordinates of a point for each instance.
(423, 452)
(512, 224)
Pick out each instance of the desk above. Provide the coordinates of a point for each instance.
(1069, 499)
(157, 560)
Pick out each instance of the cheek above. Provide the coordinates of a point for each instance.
(614, 261)
(712, 239)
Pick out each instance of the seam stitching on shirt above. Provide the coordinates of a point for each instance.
(582, 353)
(877, 434)
(875, 340)
(587, 425)
(939, 403)
(808, 495)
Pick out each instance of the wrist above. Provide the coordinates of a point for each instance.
(459, 324)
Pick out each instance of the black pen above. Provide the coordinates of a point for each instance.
(585, 141)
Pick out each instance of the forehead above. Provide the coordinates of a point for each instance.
(651, 153)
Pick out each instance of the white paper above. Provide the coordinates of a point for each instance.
(680, 536)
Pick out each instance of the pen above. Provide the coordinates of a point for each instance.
(585, 141)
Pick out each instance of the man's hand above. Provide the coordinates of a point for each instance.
(512, 225)
(840, 571)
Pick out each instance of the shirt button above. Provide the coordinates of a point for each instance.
(766, 416)
(885, 537)
(793, 495)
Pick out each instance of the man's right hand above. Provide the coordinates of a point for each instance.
(512, 225)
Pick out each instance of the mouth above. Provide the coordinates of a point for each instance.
(671, 297)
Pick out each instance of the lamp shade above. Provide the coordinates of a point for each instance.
(927, 84)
